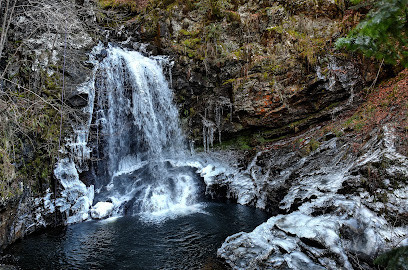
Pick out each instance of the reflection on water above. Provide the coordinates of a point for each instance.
(187, 242)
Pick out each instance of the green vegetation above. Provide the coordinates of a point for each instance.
(395, 259)
(241, 142)
(130, 5)
(30, 133)
(383, 34)
(313, 144)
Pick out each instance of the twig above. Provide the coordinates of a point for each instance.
(378, 73)
(62, 93)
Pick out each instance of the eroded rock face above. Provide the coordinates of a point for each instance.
(340, 208)
(48, 45)
(265, 67)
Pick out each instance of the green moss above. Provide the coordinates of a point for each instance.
(51, 83)
(150, 24)
(242, 142)
(272, 134)
(37, 129)
(128, 5)
(191, 43)
(395, 259)
(184, 32)
(229, 81)
(213, 32)
(313, 144)
(233, 16)
(338, 133)
(278, 29)
(356, 122)
(332, 106)
(192, 34)
(238, 54)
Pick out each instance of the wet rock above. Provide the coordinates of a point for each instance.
(24, 215)
(8, 267)
(102, 55)
(78, 100)
(7, 260)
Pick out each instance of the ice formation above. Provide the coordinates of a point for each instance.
(325, 226)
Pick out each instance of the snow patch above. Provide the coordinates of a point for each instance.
(102, 210)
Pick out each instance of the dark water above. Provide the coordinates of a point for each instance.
(188, 242)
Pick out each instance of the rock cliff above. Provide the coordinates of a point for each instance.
(41, 66)
(258, 70)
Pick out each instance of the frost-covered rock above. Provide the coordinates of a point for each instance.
(102, 210)
(338, 209)
(25, 215)
(301, 241)
(223, 180)
(221, 177)
(76, 198)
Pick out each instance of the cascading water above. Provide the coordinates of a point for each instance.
(140, 132)
(132, 150)
(139, 159)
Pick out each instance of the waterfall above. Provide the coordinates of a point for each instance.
(140, 134)
(131, 149)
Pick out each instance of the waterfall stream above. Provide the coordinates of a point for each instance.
(141, 134)
(133, 150)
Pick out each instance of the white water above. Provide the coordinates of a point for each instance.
(140, 131)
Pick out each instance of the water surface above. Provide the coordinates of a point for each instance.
(186, 242)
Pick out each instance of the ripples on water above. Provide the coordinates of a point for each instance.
(187, 242)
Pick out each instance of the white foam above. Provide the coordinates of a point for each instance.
(102, 210)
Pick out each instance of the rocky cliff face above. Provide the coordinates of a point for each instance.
(42, 64)
(257, 70)
(26, 214)
(337, 193)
